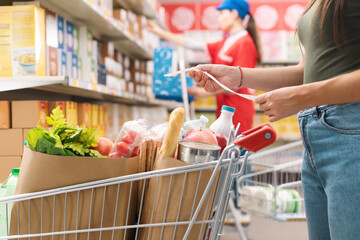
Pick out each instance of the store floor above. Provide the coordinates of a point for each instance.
(265, 229)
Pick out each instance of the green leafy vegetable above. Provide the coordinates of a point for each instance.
(63, 139)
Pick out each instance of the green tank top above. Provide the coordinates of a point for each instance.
(323, 60)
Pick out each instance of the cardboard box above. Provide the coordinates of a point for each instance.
(28, 114)
(7, 163)
(85, 114)
(80, 69)
(69, 39)
(101, 128)
(11, 142)
(61, 32)
(86, 54)
(51, 24)
(52, 68)
(107, 50)
(4, 114)
(62, 63)
(72, 113)
(22, 51)
(76, 39)
(72, 65)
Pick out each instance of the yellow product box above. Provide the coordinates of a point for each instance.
(101, 130)
(4, 114)
(22, 41)
(95, 115)
(71, 113)
(28, 114)
(54, 104)
(84, 114)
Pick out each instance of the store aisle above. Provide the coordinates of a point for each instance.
(265, 229)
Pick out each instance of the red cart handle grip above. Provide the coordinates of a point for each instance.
(257, 138)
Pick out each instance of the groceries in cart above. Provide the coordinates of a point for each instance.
(142, 194)
(223, 126)
(269, 200)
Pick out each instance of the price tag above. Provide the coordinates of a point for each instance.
(76, 82)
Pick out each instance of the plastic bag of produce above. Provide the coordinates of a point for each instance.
(129, 139)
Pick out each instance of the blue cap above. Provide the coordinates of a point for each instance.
(241, 6)
(227, 108)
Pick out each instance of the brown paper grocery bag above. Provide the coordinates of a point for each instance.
(156, 201)
(77, 210)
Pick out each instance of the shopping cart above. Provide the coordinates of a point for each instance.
(62, 213)
(271, 187)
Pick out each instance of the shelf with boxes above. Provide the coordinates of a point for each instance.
(73, 87)
(54, 46)
(104, 23)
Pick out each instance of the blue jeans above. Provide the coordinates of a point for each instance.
(331, 170)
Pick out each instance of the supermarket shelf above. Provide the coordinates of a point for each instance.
(8, 84)
(68, 87)
(140, 7)
(103, 26)
(133, 48)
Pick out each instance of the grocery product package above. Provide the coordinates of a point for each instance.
(180, 197)
(22, 49)
(43, 171)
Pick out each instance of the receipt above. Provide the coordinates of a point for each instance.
(249, 97)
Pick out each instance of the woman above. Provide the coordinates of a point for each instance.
(324, 88)
(240, 48)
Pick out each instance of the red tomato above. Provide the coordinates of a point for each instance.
(122, 148)
(132, 134)
(127, 139)
(135, 151)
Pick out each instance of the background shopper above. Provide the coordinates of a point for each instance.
(240, 46)
(324, 90)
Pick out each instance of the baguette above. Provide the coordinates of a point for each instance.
(169, 144)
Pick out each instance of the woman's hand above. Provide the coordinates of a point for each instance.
(198, 92)
(280, 103)
(229, 76)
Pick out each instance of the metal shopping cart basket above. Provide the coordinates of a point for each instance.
(271, 187)
(67, 209)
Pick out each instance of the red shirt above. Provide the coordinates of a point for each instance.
(237, 50)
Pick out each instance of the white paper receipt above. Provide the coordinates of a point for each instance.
(249, 97)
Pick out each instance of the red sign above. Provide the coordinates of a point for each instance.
(269, 15)
(273, 16)
(209, 17)
(180, 17)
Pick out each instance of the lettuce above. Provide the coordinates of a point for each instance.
(63, 139)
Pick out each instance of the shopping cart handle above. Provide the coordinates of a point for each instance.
(256, 138)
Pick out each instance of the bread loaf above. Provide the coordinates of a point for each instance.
(169, 145)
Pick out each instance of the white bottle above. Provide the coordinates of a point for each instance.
(223, 125)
